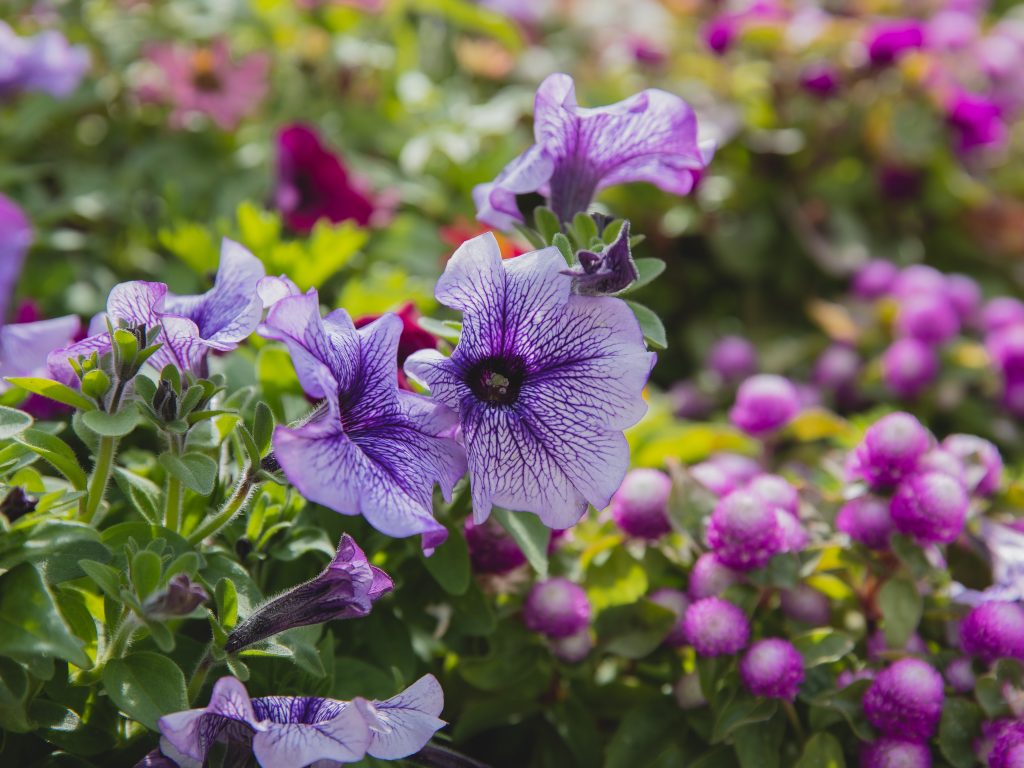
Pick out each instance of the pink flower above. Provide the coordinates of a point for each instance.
(205, 80)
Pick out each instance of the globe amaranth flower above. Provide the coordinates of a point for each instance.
(890, 450)
(572, 648)
(723, 473)
(287, 731)
(964, 294)
(772, 668)
(889, 39)
(994, 630)
(651, 136)
(944, 462)
(820, 79)
(866, 519)
(744, 532)
(1001, 312)
(918, 280)
(959, 674)
(556, 607)
(492, 549)
(640, 506)
(677, 602)
(543, 382)
(44, 63)
(775, 491)
(1008, 748)
(931, 507)
(710, 577)
(874, 279)
(837, 368)
(806, 604)
(908, 367)
(413, 337)
(716, 627)
(191, 326)
(346, 589)
(905, 700)
(732, 358)
(929, 318)
(977, 122)
(370, 449)
(764, 403)
(313, 184)
(983, 463)
(204, 80)
(895, 753)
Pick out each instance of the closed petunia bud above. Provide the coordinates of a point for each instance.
(557, 608)
(716, 627)
(905, 700)
(180, 597)
(772, 668)
(640, 506)
(17, 503)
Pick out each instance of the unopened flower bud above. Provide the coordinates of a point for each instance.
(165, 401)
(17, 503)
(180, 597)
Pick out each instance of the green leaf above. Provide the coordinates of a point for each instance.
(145, 571)
(741, 710)
(822, 646)
(633, 631)
(13, 422)
(644, 733)
(145, 686)
(846, 703)
(617, 579)
(57, 453)
(443, 329)
(546, 223)
(55, 545)
(651, 325)
(449, 565)
(530, 534)
(30, 624)
(647, 270)
(561, 242)
(13, 697)
(822, 750)
(145, 495)
(227, 603)
(196, 470)
(531, 235)
(54, 390)
(252, 451)
(263, 426)
(113, 424)
(901, 606)
(958, 730)
(107, 579)
(757, 744)
(585, 228)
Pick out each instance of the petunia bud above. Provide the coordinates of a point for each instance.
(180, 597)
(17, 503)
(346, 589)
(165, 401)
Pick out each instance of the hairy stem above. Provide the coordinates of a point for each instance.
(231, 507)
(100, 477)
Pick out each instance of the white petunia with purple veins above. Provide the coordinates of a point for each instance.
(370, 449)
(651, 136)
(544, 381)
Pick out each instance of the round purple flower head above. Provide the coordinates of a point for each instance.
(640, 506)
(723, 473)
(984, 465)
(894, 753)
(888, 40)
(1001, 312)
(878, 647)
(775, 491)
(710, 577)
(905, 700)
(890, 449)
(1006, 348)
(994, 631)
(491, 548)
(820, 79)
(908, 367)
(677, 602)
(772, 668)
(573, 648)
(919, 280)
(866, 519)
(928, 317)
(764, 403)
(689, 402)
(960, 675)
(837, 367)
(733, 358)
(716, 627)
(964, 295)
(806, 604)
(794, 535)
(556, 608)
(1008, 749)
(931, 507)
(744, 531)
(875, 279)
(944, 462)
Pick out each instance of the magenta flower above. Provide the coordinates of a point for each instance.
(772, 668)
(732, 358)
(866, 519)
(312, 184)
(931, 507)
(977, 122)
(905, 700)
(651, 136)
(888, 40)
(543, 381)
(765, 403)
(1008, 748)
(286, 731)
(205, 81)
(491, 548)
(710, 577)
(983, 464)
(556, 608)
(892, 752)
(875, 279)
(908, 367)
(890, 450)
(370, 449)
(716, 627)
(994, 630)
(745, 532)
(346, 589)
(640, 506)
(190, 326)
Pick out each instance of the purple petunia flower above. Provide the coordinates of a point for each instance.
(286, 731)
(346, 589)
(651, 136)
(370, 449)
(24, 347)
(606, 273)
(543, 381)
(15, 238)
(219, 319)
(45, 62)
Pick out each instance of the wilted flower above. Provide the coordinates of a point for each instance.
(190, 325)
(905, 700)
(346, 589)
(312, 184)
(640, 506)
(370, 449)
(180, 597)
(205, 80)
(45, 62)
(557, 608)
(285, 731)
(16, 503)
(651, 136)
(688, 693)
(772, 668)
(543, 381)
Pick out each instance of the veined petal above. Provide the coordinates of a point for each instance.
(180, 345)
(273, 288)
(495, 201)
(286, 743)
(194, 731)
(438, 374)
(57, 361)
(136, 303)
(410, 720)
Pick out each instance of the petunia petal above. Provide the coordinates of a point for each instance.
(194, 731)
(343, 738)
(24, 347)
(411, 719)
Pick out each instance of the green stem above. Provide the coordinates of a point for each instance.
(172, 512)
(100, 477)
(794, 720)
(195, 685)
(231, 507)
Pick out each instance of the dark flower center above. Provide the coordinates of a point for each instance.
(204, 71)
(497, 380)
